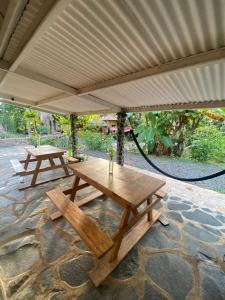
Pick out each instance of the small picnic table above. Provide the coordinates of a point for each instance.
(38, 155)
(127, 187)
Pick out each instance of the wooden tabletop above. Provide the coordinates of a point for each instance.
(128, 187)
(45, 150)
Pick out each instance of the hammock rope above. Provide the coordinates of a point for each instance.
(151, 163)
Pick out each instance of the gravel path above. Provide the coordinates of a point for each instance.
(176, 167)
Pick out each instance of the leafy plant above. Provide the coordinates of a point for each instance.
(208, 144)
(96, 141)
(152, 133)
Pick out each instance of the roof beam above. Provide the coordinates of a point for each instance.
(197, 59)
(103, 112)
(178, 106)
(28, 103)
(50, 109)
(12, 99)
(66, 89)
(52, 99)
(100, 101)
(45, 80)
(4, 66)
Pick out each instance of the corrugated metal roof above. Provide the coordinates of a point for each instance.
(18, 86)
(92, 41)
(78, 104)
(25, 26)
(190, 85)
(86, 42)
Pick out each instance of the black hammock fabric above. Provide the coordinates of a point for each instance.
(169, 175)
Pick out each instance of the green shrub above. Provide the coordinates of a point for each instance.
(95, 141)
(61, 142)
(208, 144)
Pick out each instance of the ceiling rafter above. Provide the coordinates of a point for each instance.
(68, 90)
(52, 99)
(178, 106)
(30, 104)
(182, 63)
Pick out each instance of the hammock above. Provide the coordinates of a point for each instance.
(167, 174)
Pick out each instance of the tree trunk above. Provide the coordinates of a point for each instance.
(120, 137)
(74, 136)
(50, 126)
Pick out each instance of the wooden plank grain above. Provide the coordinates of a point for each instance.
(126, 186)
(96, 239)
(104, 266)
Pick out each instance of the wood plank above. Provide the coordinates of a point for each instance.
(70, 159)
(104, 267)
(45, 152)
(89, 198)
(126, 186)
(64, 166)
(36, 172)
(135, 220)
(80, 187)
(56, 215)
(27, 161)
(31, 160)
(96, 239)
(161, 194)
(45, 169)
(17, 166)
(27, 186)
(123, 223)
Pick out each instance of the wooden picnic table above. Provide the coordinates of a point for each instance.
(127, 187)
(38, 155)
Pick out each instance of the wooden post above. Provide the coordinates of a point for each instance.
(120, 137)
(74, 137)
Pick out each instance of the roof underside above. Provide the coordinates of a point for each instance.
(87, 56)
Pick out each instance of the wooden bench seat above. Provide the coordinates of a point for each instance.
(96, 239)
(17, 166)
(70, 159)
(160, 194)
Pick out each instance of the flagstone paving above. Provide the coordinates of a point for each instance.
(41, 259)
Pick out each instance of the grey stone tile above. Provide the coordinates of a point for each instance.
(212, 282)
(53, 245)
(200, 233)
(19, 261)
(172, 273)
(128, 267)
(201, 217)
(178, 206)
(151, 294)
(74, 271)
(118, 292)
(155, 238)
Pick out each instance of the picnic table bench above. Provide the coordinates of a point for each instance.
(39, 155)
(127, 187)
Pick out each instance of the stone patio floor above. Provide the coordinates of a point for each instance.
(40, 259)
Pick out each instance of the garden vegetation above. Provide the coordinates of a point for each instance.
(188, 134)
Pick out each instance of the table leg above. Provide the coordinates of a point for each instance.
(75, 188)
(123, 223)
(51, 161)
(27, 161)
(63, 163)
(149, 201)
(38, 165)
